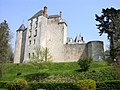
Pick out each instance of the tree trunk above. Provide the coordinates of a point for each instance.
(112, 52)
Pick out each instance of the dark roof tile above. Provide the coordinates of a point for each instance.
(21, 28)
(40, 13)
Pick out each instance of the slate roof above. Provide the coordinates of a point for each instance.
(53, 16)
(21, 28)
(39, 13)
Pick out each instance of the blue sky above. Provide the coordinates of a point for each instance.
(79, 14)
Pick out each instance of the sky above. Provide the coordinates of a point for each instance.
(79, 15)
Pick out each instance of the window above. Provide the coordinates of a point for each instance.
(35, 33)
(30, 24)
(29, 42)
(29, 55)
(30, 33)
(36, 23)
(33, 55)
(34, 41)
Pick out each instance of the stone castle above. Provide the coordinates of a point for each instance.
(50, 31)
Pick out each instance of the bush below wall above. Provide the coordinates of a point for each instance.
(108, 85)
(105, 85)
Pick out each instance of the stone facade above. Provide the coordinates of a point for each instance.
(50, 31)
(95, 50)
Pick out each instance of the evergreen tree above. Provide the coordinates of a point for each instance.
(4, 45)
(109, 22)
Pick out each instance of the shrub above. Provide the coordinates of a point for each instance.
(3, 84)
(85, 63)
(36, 77)
(87, 84)
(41, 56)
(109, 61)
(81, 85)
(18, 84)
(108, 85)
(52, 86)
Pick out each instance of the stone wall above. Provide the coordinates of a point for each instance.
(95, 50)
(73, 52)
(18, 45)
(23, 46)
(55, 39)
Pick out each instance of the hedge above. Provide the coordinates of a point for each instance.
(87, 84)
(3, 84)
(105, 85)
(108, 85)
(21, 84)
(52, 86)
(81, 85)
(36, 77)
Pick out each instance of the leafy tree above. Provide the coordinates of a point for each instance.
(109, 22)
(4, 45)
(10, 54)
(85, 63)
(40, 57)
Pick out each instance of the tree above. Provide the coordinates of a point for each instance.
(4, 45)
(85, 63)
(109, 22)
(40, 57)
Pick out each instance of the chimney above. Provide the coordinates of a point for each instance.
(45, 11)
(82, 38)
(60, 13)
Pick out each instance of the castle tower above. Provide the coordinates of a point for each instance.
(19, 45)
(46, 31)
(95, 50)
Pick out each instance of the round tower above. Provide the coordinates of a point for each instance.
(95, 50)
(18, 44)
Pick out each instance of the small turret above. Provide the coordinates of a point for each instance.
(21, 28)
(19, 43)
(79, 39)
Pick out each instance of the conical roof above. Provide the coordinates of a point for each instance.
(21, 28)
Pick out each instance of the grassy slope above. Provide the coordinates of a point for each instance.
(60, 71)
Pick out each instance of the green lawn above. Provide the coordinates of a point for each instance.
(61, 72)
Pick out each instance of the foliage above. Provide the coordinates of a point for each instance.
(103, 85)
(108, 85)
(109, 61)
(109, 22)
(4, 39)
(62, 72)
(87, 84)
(10, 54)
(39, 77)
(85, 63)
(81, 85)
(4, 45)
(40, 57)
(3, 84)
(52, 86)
(18, 84)
(101, 75)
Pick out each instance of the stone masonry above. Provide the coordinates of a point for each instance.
(50, 31)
